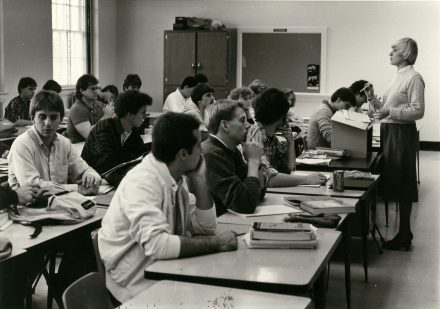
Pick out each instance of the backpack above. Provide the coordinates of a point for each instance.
(62, 208)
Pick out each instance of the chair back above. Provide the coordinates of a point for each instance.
(99, 264)
(88, 291)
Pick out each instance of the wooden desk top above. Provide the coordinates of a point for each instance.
(175, 294)
(322, 190)
(19, 234)
(282, 270)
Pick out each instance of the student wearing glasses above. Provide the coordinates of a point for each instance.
(87, 110)
(42, 156)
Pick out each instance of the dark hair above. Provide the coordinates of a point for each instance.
(26, 82)
(221, 110)
(131, 101)
(199, 91)
(83, 83)
(201, 78)
(270, 106)
(47, 99)
(112, 88)
(171, 133)
(52, 85)
(243, 92)
(357, 86)
(132, 80)
(345, 94)
(189, 81)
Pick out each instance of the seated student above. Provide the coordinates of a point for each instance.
(201, 97)
(233, 182)
(132, 82)
(113, 141)
(244, 95)
(278, 159)
(52, 85)
(44, 157)
(258, 87)
(361, 98)
(201, 78)
(17, 110)
(291, 98)
(108, 94)
(176, 100)
(319, 133)
(87, 110)
(153, 215)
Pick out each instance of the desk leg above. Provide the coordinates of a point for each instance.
(319, 291)
(347, 260)
(365, 229)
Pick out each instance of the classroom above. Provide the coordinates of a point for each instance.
(146, 145)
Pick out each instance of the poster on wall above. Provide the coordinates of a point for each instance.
(313, 77)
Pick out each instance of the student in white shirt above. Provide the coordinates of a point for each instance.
(176, 100)
(153, 215)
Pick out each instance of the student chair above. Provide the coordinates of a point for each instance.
(88, 291)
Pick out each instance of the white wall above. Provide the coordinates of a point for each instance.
(359, 39)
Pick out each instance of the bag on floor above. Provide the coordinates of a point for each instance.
(62, 208)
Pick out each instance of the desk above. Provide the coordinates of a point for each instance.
(284, 271)
(362, 209)
(364, 165)
(174, 294)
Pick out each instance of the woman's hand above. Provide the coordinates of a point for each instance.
(381, 114)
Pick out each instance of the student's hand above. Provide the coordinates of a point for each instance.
(42, 193)
(384, 112)
(287, 133)
(90, 178)
(369, 90)
(199, 170)
(315, 179)
(108, 112)
(252, 151)
(226, 241)
(27, 193)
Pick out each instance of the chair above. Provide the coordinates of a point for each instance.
(99, 264)
(88, 291)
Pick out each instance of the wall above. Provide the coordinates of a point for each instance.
(358, 43)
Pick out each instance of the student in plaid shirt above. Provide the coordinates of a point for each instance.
(17, 110)
(278, 159)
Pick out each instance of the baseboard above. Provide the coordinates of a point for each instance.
(431, 146)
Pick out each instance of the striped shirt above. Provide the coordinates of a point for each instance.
(405, 97)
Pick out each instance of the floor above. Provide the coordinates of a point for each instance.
(403, 280)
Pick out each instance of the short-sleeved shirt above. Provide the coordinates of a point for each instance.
(274, 158)
(17, 109)
(192, 109)
(81, 112)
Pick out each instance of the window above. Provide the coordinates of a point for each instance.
(70, 40)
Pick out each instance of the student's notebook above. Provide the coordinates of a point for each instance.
(268, 210)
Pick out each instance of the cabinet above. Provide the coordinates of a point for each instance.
(213, 53)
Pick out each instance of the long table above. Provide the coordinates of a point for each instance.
(283, 271)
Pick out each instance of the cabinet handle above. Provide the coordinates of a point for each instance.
(193, 65)
(199, 65)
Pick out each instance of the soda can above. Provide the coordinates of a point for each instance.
(338, 181)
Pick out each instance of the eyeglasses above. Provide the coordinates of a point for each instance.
(94, 88)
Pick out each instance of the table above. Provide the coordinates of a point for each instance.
(175, 294)
(284, 271)
(241, 225)
(362, 209)
(364, 165)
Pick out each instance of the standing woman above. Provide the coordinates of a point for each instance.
(403, 104)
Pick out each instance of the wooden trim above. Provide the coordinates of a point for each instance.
(430, 146)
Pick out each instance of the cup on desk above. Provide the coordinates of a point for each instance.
(338, 181)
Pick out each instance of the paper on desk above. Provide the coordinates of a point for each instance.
(314, 161)
(269, 210)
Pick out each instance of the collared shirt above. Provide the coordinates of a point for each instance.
(81, 112)
(105, 148)
(192, 109)
(30, 161)
(274, 158)
(139, 226)
(175, 102)
(17, 109)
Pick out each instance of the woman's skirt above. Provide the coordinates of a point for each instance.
(399, 175)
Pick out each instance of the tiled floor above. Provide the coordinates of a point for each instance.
(403, 280)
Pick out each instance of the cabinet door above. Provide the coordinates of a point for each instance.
(179, 56)
(212, 57)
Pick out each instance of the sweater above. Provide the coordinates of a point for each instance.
(405, 97)
(227, 179)
(319, 133)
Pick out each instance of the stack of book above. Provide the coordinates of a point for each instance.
(326, 205)
(283, 235)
